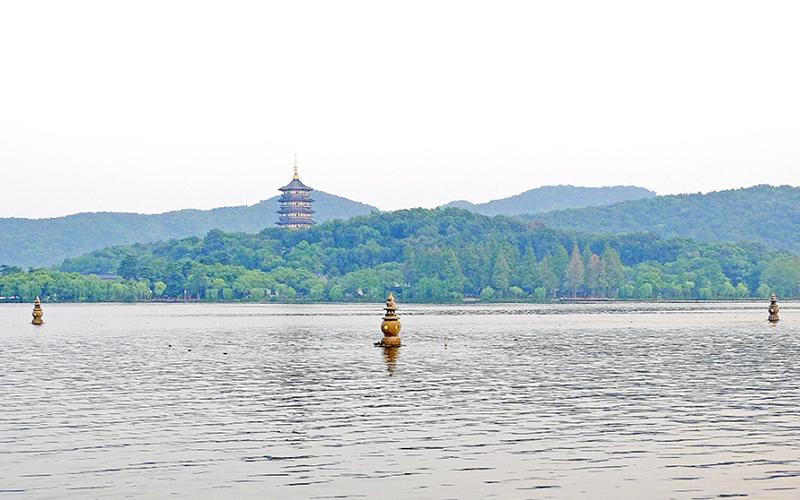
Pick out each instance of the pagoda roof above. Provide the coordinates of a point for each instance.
(296, 210)
(295, 185)
(303, 198)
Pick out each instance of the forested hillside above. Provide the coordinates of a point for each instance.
(421, 255)
(548, 198)
(43, 242)
(765, 214)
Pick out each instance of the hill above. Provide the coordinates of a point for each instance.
(420, 255)
(549, 198)
(44, 242)
(765, 214)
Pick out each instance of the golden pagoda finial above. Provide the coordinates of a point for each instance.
(295, 167)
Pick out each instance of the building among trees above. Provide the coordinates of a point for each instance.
(295, 211)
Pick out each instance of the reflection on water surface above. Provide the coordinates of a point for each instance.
(603, 400)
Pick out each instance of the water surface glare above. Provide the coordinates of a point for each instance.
(600, 401)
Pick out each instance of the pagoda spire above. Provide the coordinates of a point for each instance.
(296, 176)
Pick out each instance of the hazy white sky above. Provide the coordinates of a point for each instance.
(155, 106)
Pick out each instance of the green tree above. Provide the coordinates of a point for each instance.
(317, 292)
(142, 289)
(594, 273)
(196, 283)
(548, 276)
(648, 274)
(431, 289)
(782, 275)
(501, 274)
(529, 270)
(575, 271)
(560, 262)
(586, 256)
(742, 291)
(128, 268)
(727, 290)
(307, 256)
(9, 270)
(612, 272)
(336, 293)
(285, 291)
(626, 290)
(644, 291)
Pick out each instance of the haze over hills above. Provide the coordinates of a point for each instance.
(549, 198)
(44, 242)
(765, 214)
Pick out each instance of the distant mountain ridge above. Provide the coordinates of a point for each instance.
(764, 214)
(549, 198)
(44, 242)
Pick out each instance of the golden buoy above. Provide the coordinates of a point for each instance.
(773, 309)
(37, 312)
(390, 325)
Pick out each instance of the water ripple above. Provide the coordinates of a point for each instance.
(597, 400)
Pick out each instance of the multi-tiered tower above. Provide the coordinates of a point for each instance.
(295, 211)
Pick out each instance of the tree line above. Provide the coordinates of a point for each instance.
(421, 255)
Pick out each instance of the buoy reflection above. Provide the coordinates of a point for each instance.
(390, 356)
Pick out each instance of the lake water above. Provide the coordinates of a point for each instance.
(684, 401)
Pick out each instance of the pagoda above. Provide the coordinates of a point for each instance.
(295, 211)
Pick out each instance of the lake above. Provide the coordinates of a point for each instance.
(507, 401)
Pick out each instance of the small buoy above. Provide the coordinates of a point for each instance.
(37, 312)
(773, 309)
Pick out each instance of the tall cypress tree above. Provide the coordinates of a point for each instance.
(575, 271)
(548, 276)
